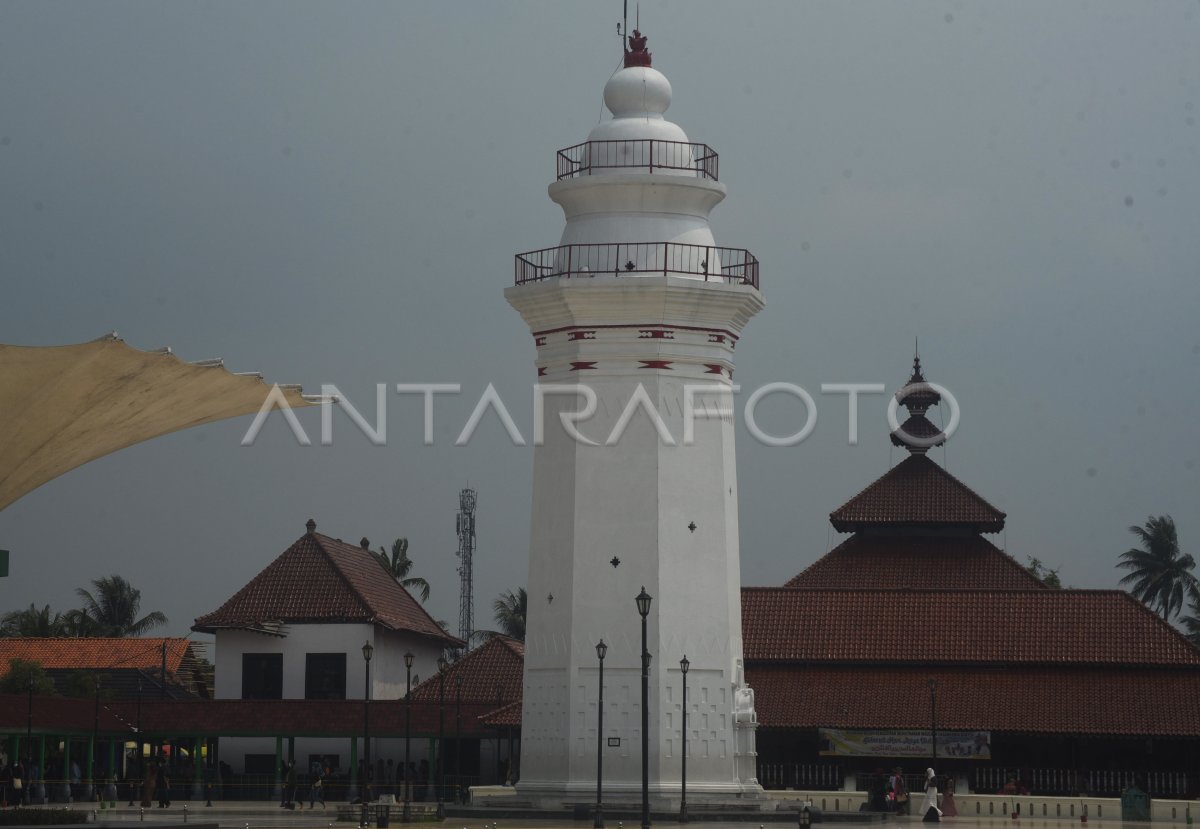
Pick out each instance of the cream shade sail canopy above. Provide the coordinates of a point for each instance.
(62, 406)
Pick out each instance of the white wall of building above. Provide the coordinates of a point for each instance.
(387, 679)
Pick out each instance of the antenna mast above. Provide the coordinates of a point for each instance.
(465, 526)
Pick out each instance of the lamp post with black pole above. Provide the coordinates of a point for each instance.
(140, 763)
(933, 720)
(643, 605)
(598, 822)
(460, 792)
(683, 814)
(441, 762)
(406, 815)
(29, 743)
(367, 651)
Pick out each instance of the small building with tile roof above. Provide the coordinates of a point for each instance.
(297, 630)
(918, 623)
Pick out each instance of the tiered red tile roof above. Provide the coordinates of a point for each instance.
(917, 492)
(323, 580)
(866, 560)
(964, 627)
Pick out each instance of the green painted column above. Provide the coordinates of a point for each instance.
(90, 773)
(112, 769)
(66, 766)
(352, 790)
(197, 771)
(41, 763)
(278, 794)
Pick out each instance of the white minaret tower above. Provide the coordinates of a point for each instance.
(640, 306)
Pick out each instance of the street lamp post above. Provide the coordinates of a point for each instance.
(140, 762)
(367, 651)
(643, 605)
(29, 742)
(933, 719)
(499, 745)
(460, 792)
(598, 822)
(683, 813)
(441, 763)
(406, 815)
(93, 746)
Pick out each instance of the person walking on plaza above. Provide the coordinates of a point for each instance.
(289, 786)
(949, 807)
(149, 777)
(899, 791)
(316, 790)
(929, 809)
(19, 784)
(162, 786)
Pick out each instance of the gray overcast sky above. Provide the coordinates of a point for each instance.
(333, 192)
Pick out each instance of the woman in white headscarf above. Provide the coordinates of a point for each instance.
(929, 809)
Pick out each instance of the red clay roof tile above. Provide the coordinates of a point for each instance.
(1029, 627)
(915, 561)
(1058, 700)
(96, 653)
(321, 579)
(918, 492)
(498, 663)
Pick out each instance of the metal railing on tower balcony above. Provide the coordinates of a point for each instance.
(710, 263)
(678, 157)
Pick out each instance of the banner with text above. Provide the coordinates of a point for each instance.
(963, 745)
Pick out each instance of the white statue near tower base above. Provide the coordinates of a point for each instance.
(635, 316)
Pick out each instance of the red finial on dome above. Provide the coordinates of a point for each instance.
(636, 54)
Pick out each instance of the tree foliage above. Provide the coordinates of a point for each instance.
(510, 609)
(1160, 573)
(113, 610)
(398, 565)
(20, 672)
(1191, 622)
(33, 621)
(1043, 573)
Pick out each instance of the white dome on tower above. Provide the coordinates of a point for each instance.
(637, 97)
(637, 91)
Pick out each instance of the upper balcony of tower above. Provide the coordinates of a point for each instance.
(637, 139)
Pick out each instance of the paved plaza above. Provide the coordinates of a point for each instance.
(250, 814)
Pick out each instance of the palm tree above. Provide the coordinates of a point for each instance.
(33, 622)
(1161, 575)
(510, 612)
(113, 610)
(1191, 623)
(398, 566)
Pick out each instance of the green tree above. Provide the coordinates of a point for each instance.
(1191, 622)
(1044, 574)
(85, 684)
(20, 672)
(33, 622)
(113, 610)
(398, 565)
(1160, 574)
(510, 611)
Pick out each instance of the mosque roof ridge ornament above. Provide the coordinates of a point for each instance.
(636, 53)
(918, 395)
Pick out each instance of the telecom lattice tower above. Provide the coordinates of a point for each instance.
(466, 552)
